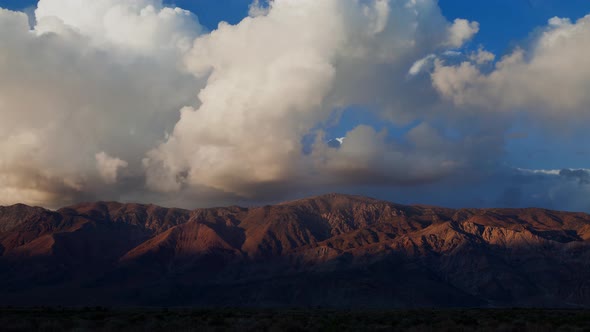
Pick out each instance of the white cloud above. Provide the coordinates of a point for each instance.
(551, 78)
(271, 80)
(366, 157)
(256, 106)
(539, 171)
(482, 56)
(461, 31)
(108, 167)
(68, 93)
(422, 65)
(145, 26)
(107, 75)
(258, 8)
(378, 14)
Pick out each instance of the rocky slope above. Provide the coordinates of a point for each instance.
(331, 251)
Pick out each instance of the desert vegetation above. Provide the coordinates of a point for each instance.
(104, 319)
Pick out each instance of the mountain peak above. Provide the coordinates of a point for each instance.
(332, 198)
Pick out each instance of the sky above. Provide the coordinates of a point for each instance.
(206, 103)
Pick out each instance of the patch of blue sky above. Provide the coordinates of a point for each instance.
(211, 12)
(505, 24)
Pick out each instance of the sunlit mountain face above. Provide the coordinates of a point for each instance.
(329, 251)
(350, 155)
(231, 102)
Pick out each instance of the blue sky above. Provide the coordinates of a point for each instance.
(514, 141)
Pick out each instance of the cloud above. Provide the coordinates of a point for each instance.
(108, 167)
(69, 93)
(482, 56)
(539, 171)
(461, 31)
(501, 187)
(580, 175)
(134, 100)
(365, 156)
(272, 80)
(557, 189)
(258, 8)
(144, 26)
(422, 65)
(550, 78)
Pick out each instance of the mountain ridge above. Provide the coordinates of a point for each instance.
(330, 250)
(316, 197)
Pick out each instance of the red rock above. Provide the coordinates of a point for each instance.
(331, 250)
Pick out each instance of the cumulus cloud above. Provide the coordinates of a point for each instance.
(461, 31)
(114, 74)
(108, 167)
(422, 64)
(288, 79)
(365, 156)
(145, 26)
(67, 94)
(550, 77)
(241, 114)
(482, 56)
(258, 8)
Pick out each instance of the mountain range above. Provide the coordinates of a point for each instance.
(336, 251)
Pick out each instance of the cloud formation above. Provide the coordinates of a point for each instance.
(135, 100)
(68, 92)
(142, 26)
(258, 106)
(461, 31)
(108, 167)
(550, 77)
(503, 187)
